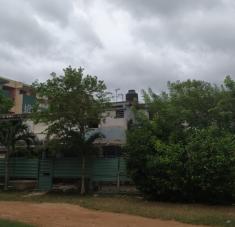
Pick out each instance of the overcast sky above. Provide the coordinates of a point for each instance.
(128, 43)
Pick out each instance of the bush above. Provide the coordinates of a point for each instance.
(211, 165)
(186, 151)
(199, 169)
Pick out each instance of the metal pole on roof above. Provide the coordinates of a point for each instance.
(116, 92)
(122, 95)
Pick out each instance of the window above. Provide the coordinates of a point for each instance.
(22, 92)
(120, 113)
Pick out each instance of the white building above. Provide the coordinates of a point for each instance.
(113, 126)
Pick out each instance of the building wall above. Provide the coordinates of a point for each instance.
(27, 103)
(23, 103)
(37, 129)
(114, 125)
(110, 120)
(20, 94)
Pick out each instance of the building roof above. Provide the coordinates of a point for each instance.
(3, 80)
(14, 83)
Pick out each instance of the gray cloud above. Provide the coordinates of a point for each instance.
(133, 70)
(129, 44)
(166, 8)
(53, 10)
(21, 29)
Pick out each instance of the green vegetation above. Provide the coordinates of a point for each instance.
(74, 103)
(11, 133)
(8, 223)
(5, 103)
(186, 152)
(223, 216)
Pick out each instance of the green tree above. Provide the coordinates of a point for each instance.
(70, 105)
(5, 103)
(190, 103)
(11, 132)
(5, 106)
(186, 150)
(225, 108)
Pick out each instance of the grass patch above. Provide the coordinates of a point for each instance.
(7, 223)
(222, 216)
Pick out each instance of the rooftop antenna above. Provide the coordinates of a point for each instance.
(116, 93)
(122, 95)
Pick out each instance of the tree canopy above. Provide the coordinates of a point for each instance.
(5, 103)
(11, 132)
(186, 151)
(70, 105)
(70, 102)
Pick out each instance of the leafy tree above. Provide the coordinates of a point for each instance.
(11, 132)
(70, 105)
(225, 108)
(210, 165)
(5, 103)
(187, 150)
(190, 103)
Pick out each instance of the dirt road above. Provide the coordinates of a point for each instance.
(67, 215)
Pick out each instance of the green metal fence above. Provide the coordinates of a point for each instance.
(70, 168)
(97, 170)
(21, 168)
(45, 175)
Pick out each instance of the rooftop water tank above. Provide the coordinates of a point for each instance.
(131, 96)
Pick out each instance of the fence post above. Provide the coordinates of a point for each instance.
(38, 176)
(118, 175)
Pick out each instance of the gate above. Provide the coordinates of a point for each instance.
(45, 175)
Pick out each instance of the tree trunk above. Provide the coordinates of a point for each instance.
(6, 170)
(83, 190)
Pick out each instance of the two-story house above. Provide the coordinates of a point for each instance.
(113, 125)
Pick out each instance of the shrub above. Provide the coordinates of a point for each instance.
(199, 169)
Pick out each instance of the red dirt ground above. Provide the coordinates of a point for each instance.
(67, 215)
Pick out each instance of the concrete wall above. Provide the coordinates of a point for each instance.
(22, 102)
(37, 129)
(110, 120)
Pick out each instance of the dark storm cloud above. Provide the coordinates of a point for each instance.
(211, 31)
(129, 44)
(166, 8)
(200, 32)
(133, 70)
(38, 37)
(20, 29)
